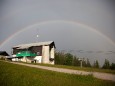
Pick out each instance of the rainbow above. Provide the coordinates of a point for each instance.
(57, 21)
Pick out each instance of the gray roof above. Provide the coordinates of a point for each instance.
(24, 46)
(4, 53)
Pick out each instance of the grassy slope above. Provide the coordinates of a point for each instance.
(17, 75)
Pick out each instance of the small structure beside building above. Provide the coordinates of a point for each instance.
(4, 55)
(41, 52)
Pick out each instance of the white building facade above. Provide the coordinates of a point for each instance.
(41, 52)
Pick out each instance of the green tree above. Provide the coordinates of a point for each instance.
(69, 59)
(112, 66)
(59, 58)
(88, 63)
(106, 64)
(96, 64)
(76, 62)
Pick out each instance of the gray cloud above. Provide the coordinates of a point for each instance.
(16, 15)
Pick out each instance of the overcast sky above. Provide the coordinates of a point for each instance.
(85, 26)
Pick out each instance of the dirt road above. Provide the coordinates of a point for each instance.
(104, 76)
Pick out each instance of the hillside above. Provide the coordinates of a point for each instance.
(18, 75)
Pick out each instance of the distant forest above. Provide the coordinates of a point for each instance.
(71, 60)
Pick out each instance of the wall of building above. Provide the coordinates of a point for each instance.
(38, 59)
(45, 54)
(52, 54)
(26, 59)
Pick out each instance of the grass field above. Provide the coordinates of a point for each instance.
(89, 69)
(17, 75)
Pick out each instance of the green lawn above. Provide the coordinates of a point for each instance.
(17, 75)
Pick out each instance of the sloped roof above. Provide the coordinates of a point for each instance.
(4, 53)
(24, 46)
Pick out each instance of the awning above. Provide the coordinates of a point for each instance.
(25, 54)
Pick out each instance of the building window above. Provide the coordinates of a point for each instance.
(38, 53)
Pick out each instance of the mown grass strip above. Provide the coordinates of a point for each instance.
(18, 75)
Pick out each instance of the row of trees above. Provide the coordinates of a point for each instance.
(69, 59)
(107, 65)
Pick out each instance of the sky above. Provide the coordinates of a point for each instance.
(82, 27)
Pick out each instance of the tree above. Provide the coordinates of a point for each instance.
(60, 58)
(57, 58)
(112, 66)
(88, 63)
(63, 59)
(106, 64)
(76, 62)
(96, 64)
(69, 59)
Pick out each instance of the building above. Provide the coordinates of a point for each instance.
(4, 55)
(41, 52)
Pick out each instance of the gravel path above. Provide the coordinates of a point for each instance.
(104, 76)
